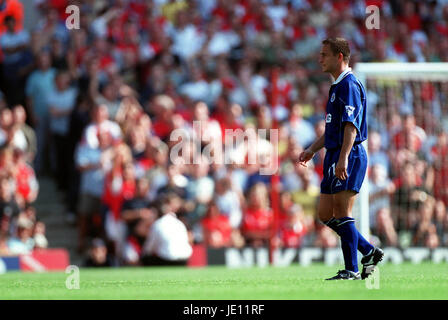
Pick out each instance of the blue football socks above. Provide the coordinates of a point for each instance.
(351, 241)
(363, 245)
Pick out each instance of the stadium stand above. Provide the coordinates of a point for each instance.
(102, 102)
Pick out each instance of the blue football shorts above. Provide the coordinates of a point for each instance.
(356, 171)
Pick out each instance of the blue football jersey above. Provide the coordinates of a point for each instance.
(347, 103)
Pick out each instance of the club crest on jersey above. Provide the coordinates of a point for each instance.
(333, 96)
(349, 110)
(328, 118)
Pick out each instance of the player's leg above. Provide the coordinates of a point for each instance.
(356, 169)
(326, 214)
(343, 203)
(325, 208)
(325, 205)
(351, 238)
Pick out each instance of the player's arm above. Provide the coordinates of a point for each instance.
(308, 153)
(347, 144)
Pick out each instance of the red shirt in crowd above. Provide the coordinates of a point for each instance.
(13, 8)
(220, 224)
(399, 140)
(292, 236)
(114, 197)
(25, 181)
(257, 220)
(161, 128)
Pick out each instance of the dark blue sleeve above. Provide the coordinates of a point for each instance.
(352, 106)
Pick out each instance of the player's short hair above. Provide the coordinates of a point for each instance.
(339, 45)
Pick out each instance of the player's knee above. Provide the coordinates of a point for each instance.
(325, 214)
(343, 203)
(325, 208)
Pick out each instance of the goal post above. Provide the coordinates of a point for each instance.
(432, 72)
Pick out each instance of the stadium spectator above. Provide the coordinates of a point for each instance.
(425, 233)
(380, 191)
(441, 221)
(293, 230)
(119, 186)
(376, 153)
(409, 195)
(9, 209)
(14, 43)
(107, 95)
(61, 101)
(216, 227)
(4, 249)
(168, 241)
(11, 8)
(98, 255)
(258, 218)
(410, 136)
(200, 185)
(302, 183)
(325, 237)
(79, 119)
(439, 153)
(301, 129)
(93, 163)
(39, 237)
(133, 249)
(27, 186)
(187, 38)
(206, 129)
(100, 122)
(157, 174)
(19, 118)
(51, 26)
(229, 201)
(10, 134)
(137, 207)
(22, 242)
(162, 108)
(38, 86)
(177, 182)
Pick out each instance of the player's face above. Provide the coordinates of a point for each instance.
(327, 60)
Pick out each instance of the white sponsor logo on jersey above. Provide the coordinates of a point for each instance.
(328, 118)
(349, 110)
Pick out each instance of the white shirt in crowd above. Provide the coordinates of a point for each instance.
(91, 132)
(187, 41)
(168, 239)
(277, 15)
(18, 141)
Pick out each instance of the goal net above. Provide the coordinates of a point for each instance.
(406, 181)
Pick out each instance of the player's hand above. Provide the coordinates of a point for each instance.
(341, 169)
(305, 156)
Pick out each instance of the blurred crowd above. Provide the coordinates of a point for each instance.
(21, 231)
(101, 103)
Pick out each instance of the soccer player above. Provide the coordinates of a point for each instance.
(345, 162)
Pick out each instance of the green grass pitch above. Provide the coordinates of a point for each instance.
(406, 281)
